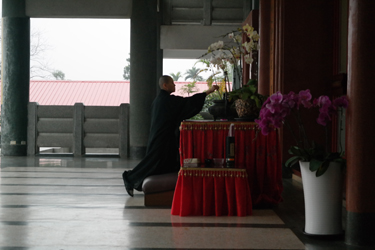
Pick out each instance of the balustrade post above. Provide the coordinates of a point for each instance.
(78, 134)
(124, 130)
(32, 133)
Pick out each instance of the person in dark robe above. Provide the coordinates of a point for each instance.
(162, 154)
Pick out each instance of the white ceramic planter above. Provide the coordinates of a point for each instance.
(323, 200)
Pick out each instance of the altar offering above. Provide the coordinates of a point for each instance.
(192, 162)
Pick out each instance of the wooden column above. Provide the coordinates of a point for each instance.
(360, 191)
(266, 43)
(302, 33)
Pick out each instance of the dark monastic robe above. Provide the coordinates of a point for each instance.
(162, 155)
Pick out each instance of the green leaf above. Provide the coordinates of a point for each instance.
(257, 101)
(323, 168)
(245, 96)
(315, 165)
(333, 156)
(253, 89)
(295, 151)
(251, 82)
(292, 160)
(306, 154)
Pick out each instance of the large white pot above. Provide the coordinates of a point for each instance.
(323, 200)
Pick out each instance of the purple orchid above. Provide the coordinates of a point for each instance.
(304, 98)
(329, 108)
(323, 118)
(342, 102)
(322, 101)
(273, 112)
(291, 99)
(278, 106)
(274, 104)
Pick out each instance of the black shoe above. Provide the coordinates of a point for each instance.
(128, 188)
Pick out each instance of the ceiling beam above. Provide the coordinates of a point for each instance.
(79, 8)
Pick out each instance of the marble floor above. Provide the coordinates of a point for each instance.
(64, 202)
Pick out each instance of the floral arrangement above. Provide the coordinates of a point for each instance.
(278, 106)
(227, 55)
(221, 58)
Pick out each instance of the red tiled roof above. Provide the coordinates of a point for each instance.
(90, 93)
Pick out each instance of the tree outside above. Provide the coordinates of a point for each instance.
(58, 74)
(189, 88)
(39, 65)
(193, 74)
(176, 76)
(126, 73)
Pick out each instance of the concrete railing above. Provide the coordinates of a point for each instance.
(78, 127)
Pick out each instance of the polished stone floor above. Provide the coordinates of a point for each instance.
(62, 202)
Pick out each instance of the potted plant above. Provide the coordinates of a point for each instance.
(226, 59)
(247, 100)
(218, 104)
(321, 170)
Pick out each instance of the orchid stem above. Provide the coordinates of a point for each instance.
(299, 142)
(303, 131)
(340, 128)
(291, 130)
(326, 131)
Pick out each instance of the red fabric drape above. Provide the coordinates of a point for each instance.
(260, 155)
(212, 191)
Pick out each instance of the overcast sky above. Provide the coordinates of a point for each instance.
(91, 49)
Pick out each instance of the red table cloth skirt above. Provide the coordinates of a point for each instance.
(260, 155)
(212, 191)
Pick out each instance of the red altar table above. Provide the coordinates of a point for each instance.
(212, 191)
(260, 155)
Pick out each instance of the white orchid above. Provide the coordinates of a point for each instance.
(224, 53)
(254, 36)
(248, 29)
(220, 44)
(248, 59)
(236, 52)
(238, 38)
(216, 46)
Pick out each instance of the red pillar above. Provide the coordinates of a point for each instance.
(302, 54)
(360, 190)
(266, 45)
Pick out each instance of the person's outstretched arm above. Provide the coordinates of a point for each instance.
(212, 89)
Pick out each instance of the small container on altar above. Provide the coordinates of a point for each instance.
(230, 148)
(218, 162)
(191, 162)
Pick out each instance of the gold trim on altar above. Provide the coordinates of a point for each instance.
(213, 172)
(218, 125)
(224, 125)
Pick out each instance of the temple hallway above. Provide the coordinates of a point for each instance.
(62, 202)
